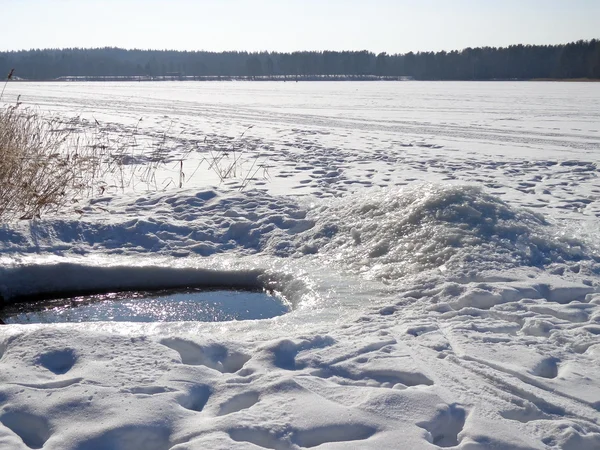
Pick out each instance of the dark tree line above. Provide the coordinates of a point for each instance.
(579, 59)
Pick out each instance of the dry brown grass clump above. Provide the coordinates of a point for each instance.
(41, 167)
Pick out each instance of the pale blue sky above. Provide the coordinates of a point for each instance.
(287, 25)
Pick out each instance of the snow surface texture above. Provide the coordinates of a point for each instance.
(437, 243)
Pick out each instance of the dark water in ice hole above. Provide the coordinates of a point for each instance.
(191, 305)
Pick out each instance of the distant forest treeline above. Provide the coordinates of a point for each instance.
(579, 59)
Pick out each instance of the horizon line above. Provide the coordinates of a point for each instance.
(292, 51)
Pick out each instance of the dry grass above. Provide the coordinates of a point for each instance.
(42, 166)
(235, 162)
(131, 161)
(48, 165)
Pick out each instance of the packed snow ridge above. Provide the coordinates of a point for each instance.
(444, 291)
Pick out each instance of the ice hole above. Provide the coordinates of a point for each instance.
(216, 305)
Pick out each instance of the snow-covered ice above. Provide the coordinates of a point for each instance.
(436, 242)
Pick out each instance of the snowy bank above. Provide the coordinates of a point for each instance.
(444, 291)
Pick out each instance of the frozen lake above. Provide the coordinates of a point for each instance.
(436, 242)
(544, 119)
(325, 138)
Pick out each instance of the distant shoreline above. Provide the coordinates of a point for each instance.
(291, 79)
(569, 62)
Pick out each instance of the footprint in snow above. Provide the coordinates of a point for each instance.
(58, 362)
(196, 398)
(444, 428)
(33, 430)
(546, 368)
(214, 356)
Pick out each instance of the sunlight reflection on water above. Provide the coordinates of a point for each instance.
(195, 305)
